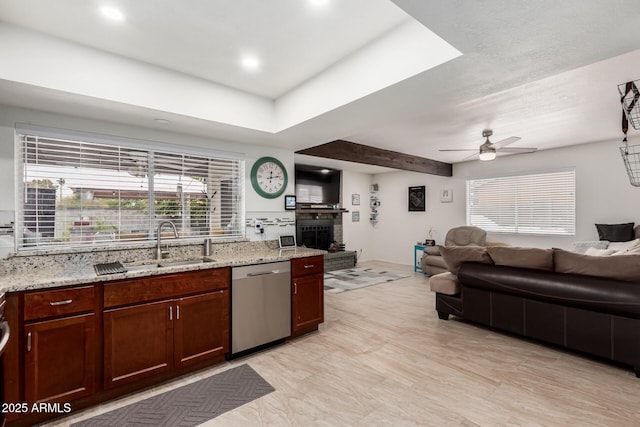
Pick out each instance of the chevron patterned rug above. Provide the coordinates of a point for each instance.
(355, 278)
(191, 404)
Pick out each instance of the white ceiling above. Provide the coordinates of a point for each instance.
(546, 71)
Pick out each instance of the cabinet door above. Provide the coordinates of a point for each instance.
(60, 359)
(138, 342)
(201, 327)
(307, 301)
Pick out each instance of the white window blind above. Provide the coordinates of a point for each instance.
(77, 192)
(534, 203)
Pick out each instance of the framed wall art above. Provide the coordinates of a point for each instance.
(446, 195)
(417, 198)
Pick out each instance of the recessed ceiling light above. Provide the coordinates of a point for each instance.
(112, 13)
(162, 121)
(325, 170)
(250, 63)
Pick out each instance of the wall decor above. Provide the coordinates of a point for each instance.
(417, 198)
(269, 177)
(355, 216)
(290, 203)
(446, 195)
(355, 199)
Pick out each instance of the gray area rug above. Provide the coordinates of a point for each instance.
(355, 278)
(191, 404)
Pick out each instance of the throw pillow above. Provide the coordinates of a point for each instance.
(582, 247)
(600, 252)
(454, 256)
(623, 267)
(622, 247)
(616, 232)
(512, 256)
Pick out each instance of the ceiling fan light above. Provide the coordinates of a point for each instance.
(487, 155)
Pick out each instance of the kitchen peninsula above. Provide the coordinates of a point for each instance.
(82, 338)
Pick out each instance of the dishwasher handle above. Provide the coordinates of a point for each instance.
(263, 273)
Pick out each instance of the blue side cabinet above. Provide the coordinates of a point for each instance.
(417, 257)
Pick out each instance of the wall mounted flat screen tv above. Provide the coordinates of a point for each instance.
(317, 185)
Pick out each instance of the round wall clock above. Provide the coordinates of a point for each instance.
(269, 177)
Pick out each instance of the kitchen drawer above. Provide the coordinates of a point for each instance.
(306, 266)
(50, 303)
(174, 285)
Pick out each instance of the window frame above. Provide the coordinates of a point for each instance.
(211, 159)
(519, 204)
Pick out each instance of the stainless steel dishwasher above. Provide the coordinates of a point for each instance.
(260, 305)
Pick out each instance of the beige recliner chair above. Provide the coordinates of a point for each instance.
(432, 263)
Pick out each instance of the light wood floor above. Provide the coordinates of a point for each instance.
(383, 357)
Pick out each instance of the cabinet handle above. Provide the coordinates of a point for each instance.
(177, 312)
(295, 288)
(64, 302)
(309, 266)
(29, 341)
(171, 313)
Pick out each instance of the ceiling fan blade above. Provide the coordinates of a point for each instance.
(460, 149)
(505, 142)
(517, 150)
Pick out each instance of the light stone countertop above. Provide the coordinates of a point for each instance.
(76, 272)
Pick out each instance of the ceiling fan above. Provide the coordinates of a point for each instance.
(488, 150)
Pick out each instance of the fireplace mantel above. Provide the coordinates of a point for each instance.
(325, 211)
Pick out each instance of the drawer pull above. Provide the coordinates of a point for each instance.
(170, 313)
(177, 312)
(64, 302)
(29, 341)
(309, 266)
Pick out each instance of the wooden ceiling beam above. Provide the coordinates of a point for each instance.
(359, 153)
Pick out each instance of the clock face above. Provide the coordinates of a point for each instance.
(269, 177)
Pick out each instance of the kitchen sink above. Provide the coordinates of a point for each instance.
(166, 263)
(139, 267)
(178, 263)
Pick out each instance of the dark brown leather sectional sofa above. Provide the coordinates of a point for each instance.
(596, 315)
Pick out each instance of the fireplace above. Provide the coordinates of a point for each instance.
(314, 233)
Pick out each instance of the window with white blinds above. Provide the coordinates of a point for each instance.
(76, 192)
(533, 203)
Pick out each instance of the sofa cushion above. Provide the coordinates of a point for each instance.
(616, 232)
(623, 267)
(454, 256)
(444, 283)
(513, 256)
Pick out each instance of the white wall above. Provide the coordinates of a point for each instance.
(603, 195)
(357, 236)
(9, 116)
(398, 230)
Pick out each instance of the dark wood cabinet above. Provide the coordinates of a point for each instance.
(60, 359)
(60, 345)
(147, 337)
(307, 294)
(138, 342)
(201, 327)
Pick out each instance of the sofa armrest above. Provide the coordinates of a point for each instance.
(432, 250)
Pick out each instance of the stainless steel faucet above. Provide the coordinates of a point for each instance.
(159, 252)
